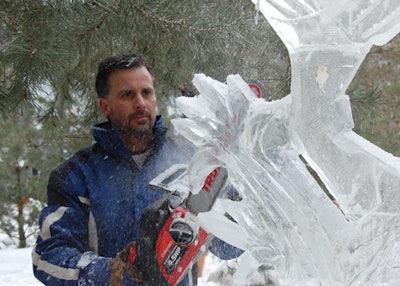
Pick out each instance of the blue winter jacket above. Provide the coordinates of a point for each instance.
(95, 202)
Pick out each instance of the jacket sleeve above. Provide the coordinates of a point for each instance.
(62, 254)
(59, 257)
(224, 250)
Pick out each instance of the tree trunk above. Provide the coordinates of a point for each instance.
(21, 221)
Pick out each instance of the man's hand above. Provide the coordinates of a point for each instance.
(138, 259)
(123, 263)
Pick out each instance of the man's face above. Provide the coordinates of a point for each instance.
(131, 103)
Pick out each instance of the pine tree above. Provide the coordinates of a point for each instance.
(375, 97)
(29, 150)
(20, 182)
(58, 44)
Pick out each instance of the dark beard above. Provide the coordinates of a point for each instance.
(127, 130)
(133, 132)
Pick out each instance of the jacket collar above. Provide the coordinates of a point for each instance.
(108, 138)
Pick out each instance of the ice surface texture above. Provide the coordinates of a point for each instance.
(292, 230)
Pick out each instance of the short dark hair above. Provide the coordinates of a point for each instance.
(109, 65)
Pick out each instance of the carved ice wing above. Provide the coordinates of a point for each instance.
(325, 22)
(327, 41)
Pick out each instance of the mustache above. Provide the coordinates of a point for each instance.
(138, 113)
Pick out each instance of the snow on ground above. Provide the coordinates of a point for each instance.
(16, 268)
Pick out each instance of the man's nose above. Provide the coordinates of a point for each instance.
(140, 103)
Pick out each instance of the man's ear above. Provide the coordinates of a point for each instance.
(104, 107)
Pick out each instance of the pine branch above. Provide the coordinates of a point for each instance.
(182, 23)
(101, 22)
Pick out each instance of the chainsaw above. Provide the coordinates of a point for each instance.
(182, 240)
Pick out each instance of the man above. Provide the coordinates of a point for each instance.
(97, 197)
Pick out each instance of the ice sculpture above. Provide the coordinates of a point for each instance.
(294, 232)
